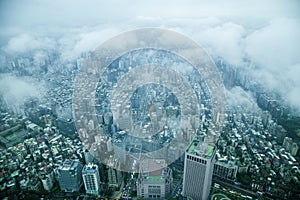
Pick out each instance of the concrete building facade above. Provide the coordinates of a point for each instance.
(69, 176)
(91, 179)
(155, 179)
(198, 170)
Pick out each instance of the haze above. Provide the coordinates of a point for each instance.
(260, 37)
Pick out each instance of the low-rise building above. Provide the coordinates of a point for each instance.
(155, 179)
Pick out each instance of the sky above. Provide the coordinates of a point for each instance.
(265, 32)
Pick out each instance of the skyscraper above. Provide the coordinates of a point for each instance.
(91, 179)
(198, 169)
(69, 176)
(114, 173)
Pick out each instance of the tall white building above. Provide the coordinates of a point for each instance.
(198, 170)
(155, 179)
(91, 179)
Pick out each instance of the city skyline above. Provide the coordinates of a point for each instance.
(160, 100)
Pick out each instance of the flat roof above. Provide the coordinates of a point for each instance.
(155, 178)
(201, 149)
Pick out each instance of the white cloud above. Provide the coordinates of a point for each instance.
(87, 40)
(275, 50)
(274, 46)
(266, 32)
(14, 90)
(26, 43)
(225, 41)
(239, 98)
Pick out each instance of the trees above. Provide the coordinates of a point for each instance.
(244, 178)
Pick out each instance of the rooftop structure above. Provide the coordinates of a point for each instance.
(155, 179)
(201, 149)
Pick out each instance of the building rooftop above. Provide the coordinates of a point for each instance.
(155, 178)
(90, 168)
(153, 167)
(201, 149)
(70, 164)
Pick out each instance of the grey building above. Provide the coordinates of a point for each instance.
(69, 176)
(225, 170)
(114, 173)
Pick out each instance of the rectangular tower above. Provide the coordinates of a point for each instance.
(91, 179)
(198, 169)
(69, 176)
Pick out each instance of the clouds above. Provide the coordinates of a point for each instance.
(275, 45)
(14, 91)
(241, 100)
(266, 33)
(27, 43)
(275, 51)
(225, 41)
(84, 41)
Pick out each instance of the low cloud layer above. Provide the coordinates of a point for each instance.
(241, 100)
(14, 90)
(275, 52)
(26, 43)
(266, 34)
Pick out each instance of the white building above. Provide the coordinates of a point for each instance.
(91, 179)
(198, 170)
(155, 179)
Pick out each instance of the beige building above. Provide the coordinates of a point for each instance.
(155, 179)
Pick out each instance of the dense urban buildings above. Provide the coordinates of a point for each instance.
(255, 155)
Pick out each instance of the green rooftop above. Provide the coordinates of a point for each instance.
(155, 178)
(208, 152)
(191, 149)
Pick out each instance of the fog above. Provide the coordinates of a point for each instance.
(267, 34)
(14, 91)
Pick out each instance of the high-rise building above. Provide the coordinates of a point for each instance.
(69, 176)
(88, 157)
(294, 149)
(113, 172)
(91, 179)
(287, 143)
(198, 170)
(155, 179)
